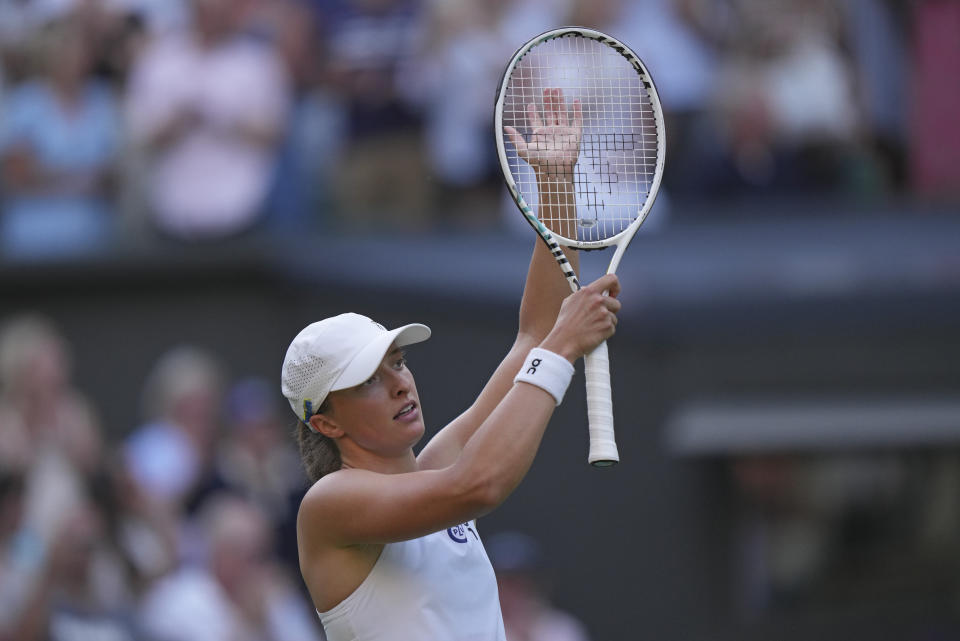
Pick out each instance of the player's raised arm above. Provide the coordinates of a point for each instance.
(380, 495)
(552, 152)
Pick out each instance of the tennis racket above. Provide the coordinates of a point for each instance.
(578, 120)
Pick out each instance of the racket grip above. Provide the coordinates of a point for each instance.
(603, 446)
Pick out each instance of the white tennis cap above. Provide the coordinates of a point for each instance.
(337, 353)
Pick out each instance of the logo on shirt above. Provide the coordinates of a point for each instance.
(459, 532)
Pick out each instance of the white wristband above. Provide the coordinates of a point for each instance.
(546, 370)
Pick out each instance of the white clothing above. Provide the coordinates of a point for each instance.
(440, 586)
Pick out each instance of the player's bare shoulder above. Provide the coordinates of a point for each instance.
(332, 568)
(316, 519)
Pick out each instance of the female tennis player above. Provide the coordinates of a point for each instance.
(388, 542)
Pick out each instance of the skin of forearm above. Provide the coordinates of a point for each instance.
(558, 205)
(546, 286)
(544, 291)
(500, 452)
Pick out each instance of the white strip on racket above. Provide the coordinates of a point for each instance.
(621, 146)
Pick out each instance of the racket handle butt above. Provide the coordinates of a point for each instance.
(603, 444)
(604, 463)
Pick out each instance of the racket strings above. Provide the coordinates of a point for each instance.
(618, 147)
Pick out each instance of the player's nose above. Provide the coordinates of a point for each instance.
(400, 382)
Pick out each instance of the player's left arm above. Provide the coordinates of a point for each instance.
(545, 289)
(545, 286)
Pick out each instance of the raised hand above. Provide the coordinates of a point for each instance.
(555, 141)
(587, 318)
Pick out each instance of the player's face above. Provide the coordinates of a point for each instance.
(383, 413)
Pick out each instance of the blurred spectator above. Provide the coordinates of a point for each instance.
(159, 16)
(50, 454)
(146, 530)
(528, 614)
(22, 564)
(40, 409)
(58, 144)
(316, 131)
(811, 521)
(877, 36)
(240, 593)
(20, 20)
(87, 596)
(788, 115)
(382, 179)
(119, 38)
(684, 65)
(935, 130)
(460, 59)
(69, 589)
(170, 458)
(208, 105)
(257, 460)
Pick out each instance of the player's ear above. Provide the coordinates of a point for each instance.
(326, 426)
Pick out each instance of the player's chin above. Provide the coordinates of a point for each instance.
(412, 433)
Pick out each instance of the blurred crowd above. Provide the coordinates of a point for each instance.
(181, 528)
(195, 120)
(189, 121)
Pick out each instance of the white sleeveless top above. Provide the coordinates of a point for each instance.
(440, 587)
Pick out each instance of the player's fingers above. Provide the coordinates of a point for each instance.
(561, 108)
(608, 283)
(577, 113)
(533, 116)
(516, 140)
(547, 108)
(612, 304)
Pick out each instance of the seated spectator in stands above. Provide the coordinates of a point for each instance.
(934, 140)
(528, 614)
(316, 131)
(22, 563)
(145, 529)
(240, 591)
(381, 180)
(40, 408)
(74, 588)
(158, 16)
(460, 60)
(58, 145)
(87, 591)
(208, 107)
(170, 458)
(876, 36)
(20, 20)
(788, 116)
(257, 460)
(664, 33)
(50, 453)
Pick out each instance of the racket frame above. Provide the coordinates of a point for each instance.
(603, 449)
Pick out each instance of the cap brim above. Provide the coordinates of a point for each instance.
(368, 359)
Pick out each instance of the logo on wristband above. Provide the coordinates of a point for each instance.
(533, 366)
